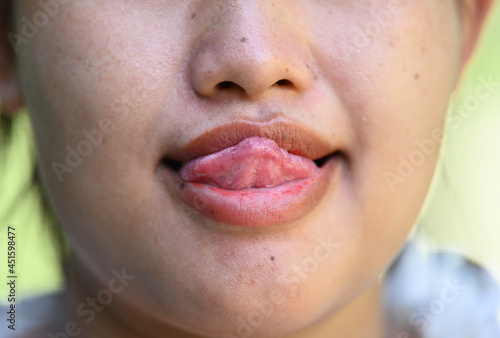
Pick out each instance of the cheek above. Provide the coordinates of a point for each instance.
(77, 79)
(78, 72)
(393, 70)
(394, 77)
(86, 96)
(403, 115)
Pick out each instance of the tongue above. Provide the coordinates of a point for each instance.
(256, 162)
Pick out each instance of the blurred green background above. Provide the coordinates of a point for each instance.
(462, 211)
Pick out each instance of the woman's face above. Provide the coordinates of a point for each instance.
(371, 79)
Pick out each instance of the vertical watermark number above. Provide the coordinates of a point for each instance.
(11, 277)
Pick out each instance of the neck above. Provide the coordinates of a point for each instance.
(362, 318)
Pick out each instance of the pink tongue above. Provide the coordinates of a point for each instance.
(256, 162)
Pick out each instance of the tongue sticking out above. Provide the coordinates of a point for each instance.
(256, 162)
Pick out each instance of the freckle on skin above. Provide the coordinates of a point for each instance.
(193, 15)
(417, 76)
(182, 185)
(272, 258)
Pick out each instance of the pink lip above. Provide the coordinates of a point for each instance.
(258, 207)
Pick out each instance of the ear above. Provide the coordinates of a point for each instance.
(473, 14)
(10, 92)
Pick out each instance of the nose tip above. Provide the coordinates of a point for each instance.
(269, 59)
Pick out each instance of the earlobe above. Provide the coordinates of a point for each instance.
(10, 92)
(473, 14)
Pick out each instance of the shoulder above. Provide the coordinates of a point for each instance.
(33, 317)
(440, 294)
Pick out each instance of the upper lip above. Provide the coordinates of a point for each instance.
(291, 136)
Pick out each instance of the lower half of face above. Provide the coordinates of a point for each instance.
(119, 90)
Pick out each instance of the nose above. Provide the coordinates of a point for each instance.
(250, 50)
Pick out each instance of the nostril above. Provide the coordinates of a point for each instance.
(226, 85)
(284, 82)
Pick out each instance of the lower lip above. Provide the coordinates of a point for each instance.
(260, 207)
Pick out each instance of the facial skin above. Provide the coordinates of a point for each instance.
(150, 69)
